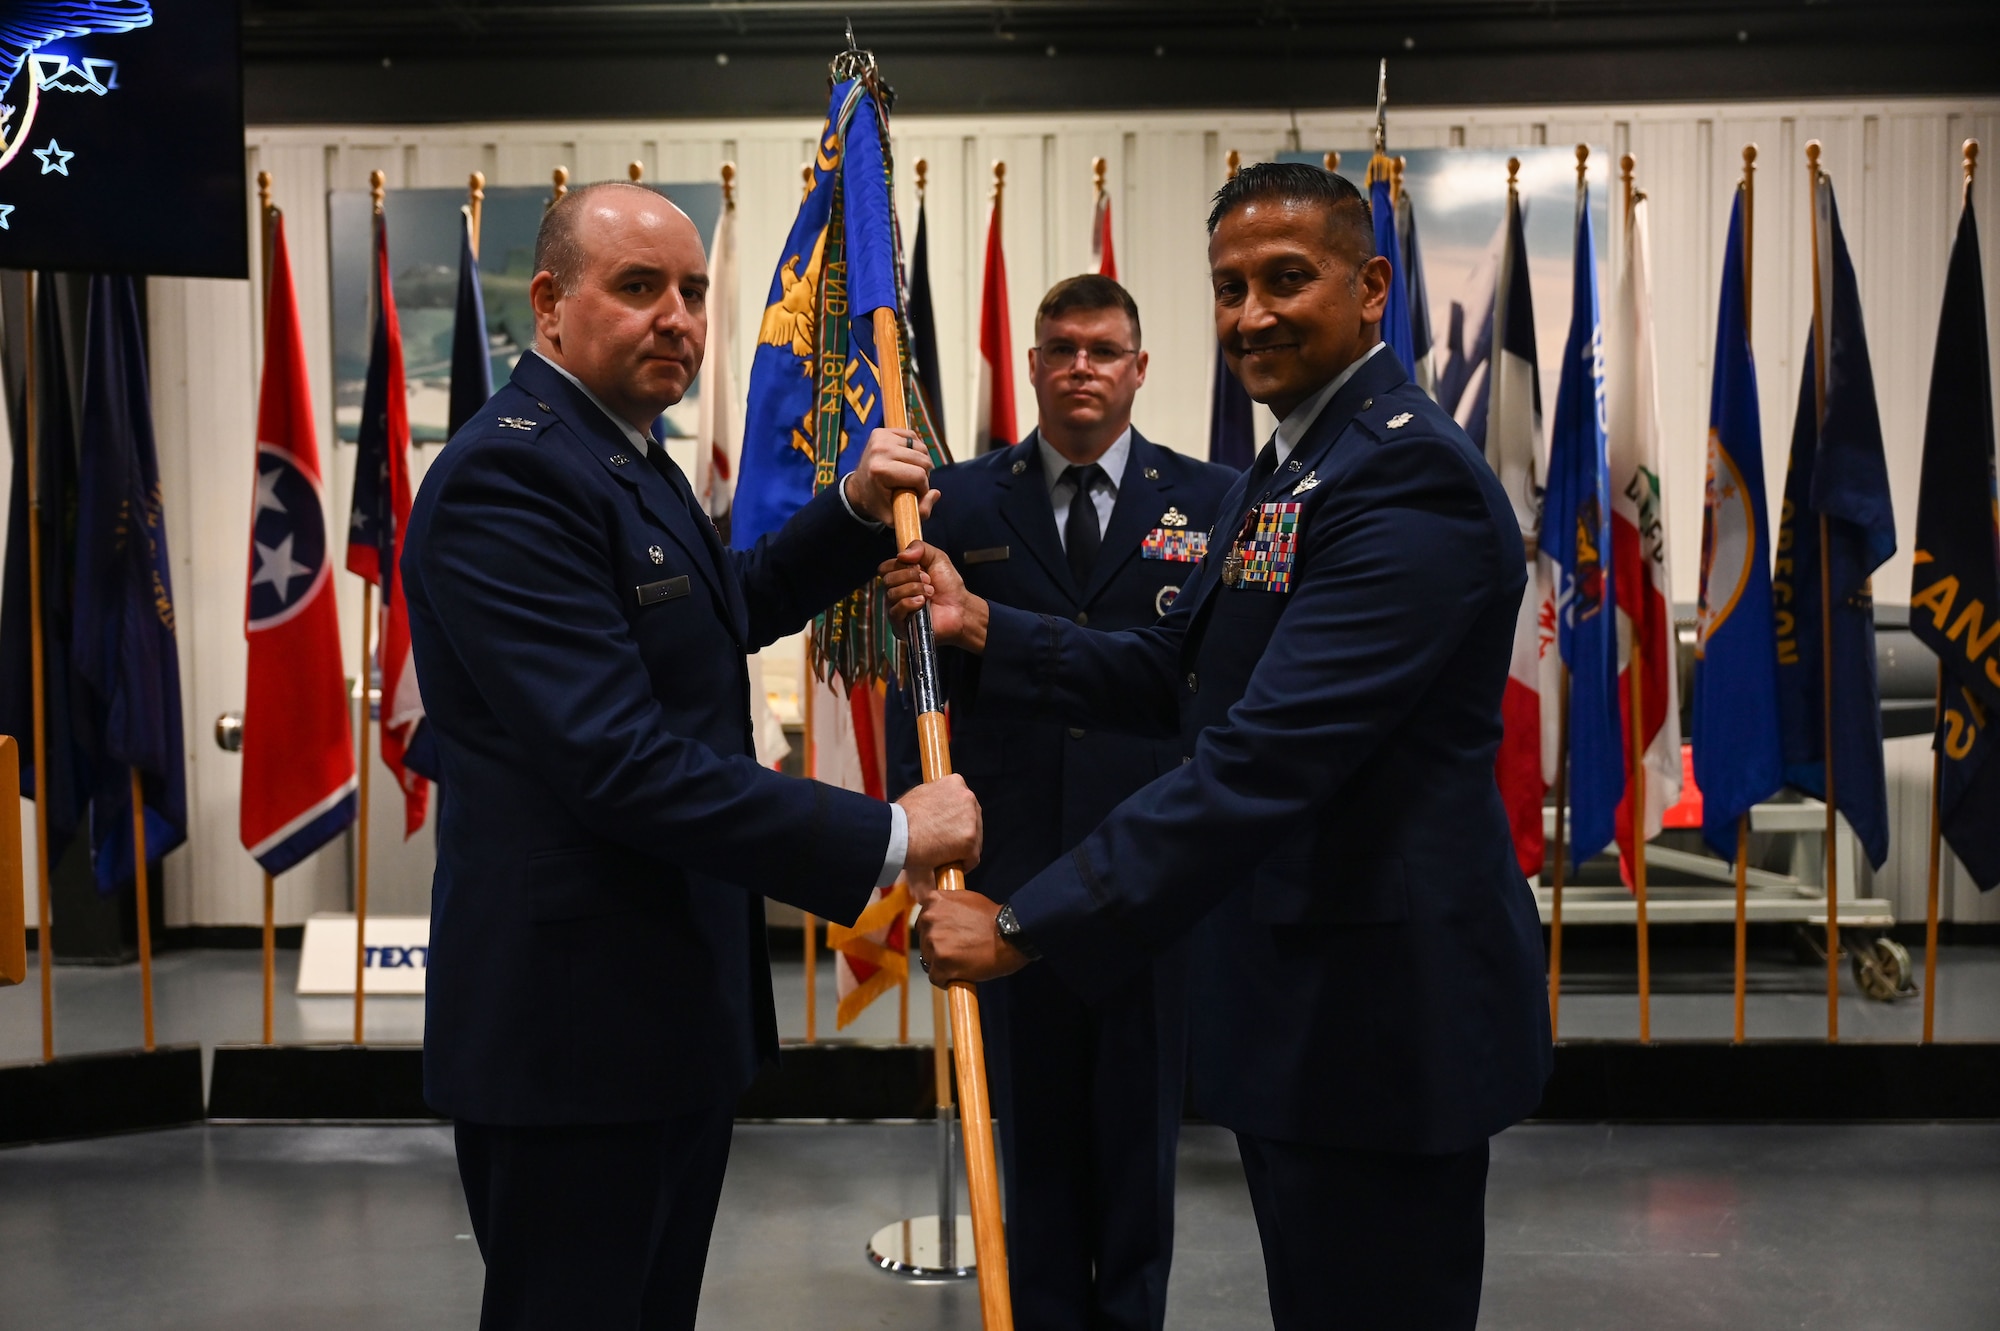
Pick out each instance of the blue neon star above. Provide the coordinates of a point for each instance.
(5, 209)
(54, 158)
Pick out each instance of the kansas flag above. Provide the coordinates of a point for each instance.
(815, 392)
(1737, 759)
(1576, 534)
(1955, 584)
(1837, 473)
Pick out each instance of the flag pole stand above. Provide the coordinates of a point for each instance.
(1556, 885)
(1832, 872)
(44, 950)
(982, 1176)
(937, 1246)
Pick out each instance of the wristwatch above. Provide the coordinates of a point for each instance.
(1010, 929)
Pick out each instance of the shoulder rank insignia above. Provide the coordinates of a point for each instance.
(1312, 479)
(1265, 549)
(1399, 421)
(517, 423)
(1173, 517)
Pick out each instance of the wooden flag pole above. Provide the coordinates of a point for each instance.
(145, 904)
(1556, 887)
(268, 213)
(43, 949)
(947, 1188)
(1832, 874)
(1743, 820)
(377, 183)
(475, 203)
(1635, 795)
(811, 924)
(934, 749)
(1931, 885)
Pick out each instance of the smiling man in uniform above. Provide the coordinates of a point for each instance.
(1368, 1005)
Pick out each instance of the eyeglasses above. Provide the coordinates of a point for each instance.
(1064, 354)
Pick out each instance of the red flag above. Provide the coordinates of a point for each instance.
(298, 746)
(1100, 237)
(375, 534)
(994, 422)
(870, 957)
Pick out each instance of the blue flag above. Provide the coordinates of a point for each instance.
(1955, 584)
(1396, 314)
(1738, 760)
(1418, 293)
(1576, 534)
(814, 392)
(69, 736)
(1837, 474)
(127, 662)
(1232, 440)
(471, 361)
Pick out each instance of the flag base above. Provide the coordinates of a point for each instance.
(92, 1095)
(909, 1248)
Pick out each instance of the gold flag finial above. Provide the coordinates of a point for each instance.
(475, 204)
(1330, 160)
(1971, 151)
(1513, 173)
(560, 176)
(1097, 169)
(636, 171)
(1582, 162)
(1749, 158)
(923, 170)
(264, 190)
(1812, 157)
(999, 178)
(1235, 162)
(729, 184)
(378, 185)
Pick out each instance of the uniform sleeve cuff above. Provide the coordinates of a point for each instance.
(899, 845)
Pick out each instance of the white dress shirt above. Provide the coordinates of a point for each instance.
(1293, 428)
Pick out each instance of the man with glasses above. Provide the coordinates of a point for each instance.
(1087, 520)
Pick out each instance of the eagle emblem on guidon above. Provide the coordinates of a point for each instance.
(791, 321)
(1728, 544)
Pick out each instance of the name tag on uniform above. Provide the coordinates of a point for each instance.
(655, 592)
(1265, 549)
(1178, 544)
(992, 554)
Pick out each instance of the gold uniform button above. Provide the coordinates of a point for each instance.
(1076, 732)
(1083, 619)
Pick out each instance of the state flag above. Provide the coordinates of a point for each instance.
(1955, 584)
(471, 359)
(1395, 314)
(1838, 480)
(1418, 293)
(993, 414)
(718, 440)
(1102, 258)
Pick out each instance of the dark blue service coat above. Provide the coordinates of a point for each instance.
(597, 933)
(1366, 961)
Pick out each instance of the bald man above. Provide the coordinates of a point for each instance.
(599, 993)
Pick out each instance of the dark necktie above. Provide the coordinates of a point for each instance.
(1081, 534)
(663, 463)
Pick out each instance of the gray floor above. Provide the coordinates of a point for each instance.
(215, 996)
(1634, 1228)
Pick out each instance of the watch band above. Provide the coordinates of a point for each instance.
(1010, 929)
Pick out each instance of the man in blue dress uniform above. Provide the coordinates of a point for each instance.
(1367, 1000)
(1087, 520)
(599, 992)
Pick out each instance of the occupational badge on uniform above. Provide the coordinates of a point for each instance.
(1173, 517)
(619, 459)
(1397, 422)
(1312, 479)
(659, 555)
(1177, 544)
(517, 423)
(1018, 467)
(1265, 548)
(1151, 473)
(1163, 599)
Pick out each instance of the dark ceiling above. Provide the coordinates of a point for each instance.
(430, 60)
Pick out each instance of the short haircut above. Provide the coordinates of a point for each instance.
(1087, 291)
(557, 250)
(1350, 221)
